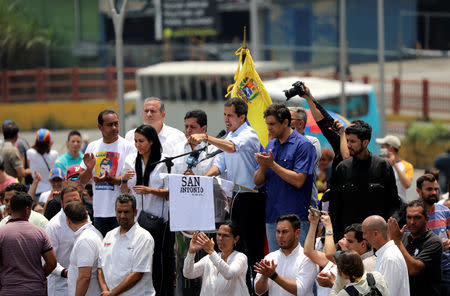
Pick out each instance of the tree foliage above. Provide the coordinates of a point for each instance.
(21, 38)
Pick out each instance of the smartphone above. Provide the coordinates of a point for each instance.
(315, 212)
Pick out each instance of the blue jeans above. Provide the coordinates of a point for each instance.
(271, 229)
(105, 224)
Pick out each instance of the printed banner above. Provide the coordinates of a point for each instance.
(191, 203)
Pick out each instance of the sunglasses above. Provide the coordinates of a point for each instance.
(73, 178)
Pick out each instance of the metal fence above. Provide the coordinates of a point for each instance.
(422, 99)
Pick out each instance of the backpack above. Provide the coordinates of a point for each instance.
(351, 290)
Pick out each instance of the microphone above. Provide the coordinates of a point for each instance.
(221, 134)
(192, 159)
(212, 154)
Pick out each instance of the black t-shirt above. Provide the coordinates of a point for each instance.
(54, 206)
(428, 249)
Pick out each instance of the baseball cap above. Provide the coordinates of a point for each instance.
(390, 140)
(6, 122)
(74, 171)
(57, 173)
(43, 135)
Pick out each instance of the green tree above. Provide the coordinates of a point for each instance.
(21, 38)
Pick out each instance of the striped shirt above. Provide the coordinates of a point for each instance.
(437, 220)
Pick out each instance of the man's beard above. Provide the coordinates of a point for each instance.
(430, 200)
(289, 245)
(356, 153)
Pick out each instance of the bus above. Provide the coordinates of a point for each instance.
(361, 101)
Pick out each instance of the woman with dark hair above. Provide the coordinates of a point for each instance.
(351, 268)
(143, 179)
(42, 159)
(222, 273)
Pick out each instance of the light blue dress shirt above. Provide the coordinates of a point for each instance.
(240, 165)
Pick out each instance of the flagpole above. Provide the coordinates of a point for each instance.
(244, 44)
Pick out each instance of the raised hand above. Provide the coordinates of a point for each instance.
(141, 189)
(326, 279)
(264, 160)
(104, 178)
(312, 216)
(128, 175)
(394, 231)
(89, 161)
(325, 219)
(265, 268)
(194, 245)
(206, 243)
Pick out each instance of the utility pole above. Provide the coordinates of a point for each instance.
(381, 66)
(118, 20)
(342, 56)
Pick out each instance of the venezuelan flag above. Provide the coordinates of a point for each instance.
(249, 87)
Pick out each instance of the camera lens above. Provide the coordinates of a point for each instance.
(290, 93)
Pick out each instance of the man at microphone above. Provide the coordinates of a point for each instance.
(195, 122)
(239, 146)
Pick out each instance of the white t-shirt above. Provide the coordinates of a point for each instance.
(153, 204)
(37, 164)
(294, 267)
(111, 158)
(168, 136)
(125, 253)
(85, 253)
(400, 188)
(44, 196)
(62, 238)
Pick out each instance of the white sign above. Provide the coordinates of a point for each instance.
(191, 202)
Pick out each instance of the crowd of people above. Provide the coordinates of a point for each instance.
(302, 220)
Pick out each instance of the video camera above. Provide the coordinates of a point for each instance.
(297, 89)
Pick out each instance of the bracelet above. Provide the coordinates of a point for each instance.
(274, 276)
(206, 137)
(123, 181)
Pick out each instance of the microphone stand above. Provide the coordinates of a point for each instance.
(169, 160)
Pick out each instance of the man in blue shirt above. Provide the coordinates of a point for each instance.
(240, 145)
(286, 169)
(73, 156)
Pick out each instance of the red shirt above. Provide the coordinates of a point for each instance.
(21, 247)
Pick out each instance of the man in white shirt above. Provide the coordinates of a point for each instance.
(62, 239)
(286, 271)
(195, 122)
(390, 262)
(104, 160)
(82, 275)
(126, 257)
(153, 114)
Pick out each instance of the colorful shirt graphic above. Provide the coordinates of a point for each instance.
(106, 162)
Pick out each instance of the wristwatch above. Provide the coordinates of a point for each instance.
(329, 232)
